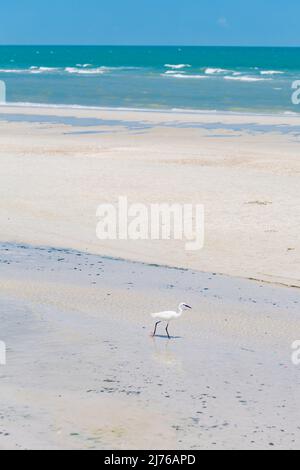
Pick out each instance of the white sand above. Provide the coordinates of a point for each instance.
(82, 370)
(52, 181)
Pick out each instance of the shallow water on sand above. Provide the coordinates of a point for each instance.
(84, 372)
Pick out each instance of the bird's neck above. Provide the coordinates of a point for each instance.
(180, 311)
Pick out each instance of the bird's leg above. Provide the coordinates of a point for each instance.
(156, 325)
(167, 330)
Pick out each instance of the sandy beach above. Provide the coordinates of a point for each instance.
(82, 369)
(58, 165)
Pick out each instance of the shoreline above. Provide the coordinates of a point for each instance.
(66, 107)
(61, 249)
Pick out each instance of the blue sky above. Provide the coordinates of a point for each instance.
(170, 22)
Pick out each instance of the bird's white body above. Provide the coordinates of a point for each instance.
(168, 316)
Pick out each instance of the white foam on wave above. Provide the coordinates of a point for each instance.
(85, 71)
(271, 72)
(183, 75)
(11, 71)
(211, 71)
(84, 65)
(37, 70)
(49, 69)
(31, 70)
(177, 66)
(79, 69)
(246, 78)
(172, 72)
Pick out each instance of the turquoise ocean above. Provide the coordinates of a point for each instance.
(235, 79)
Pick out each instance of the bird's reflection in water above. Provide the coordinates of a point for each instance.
(166, 352)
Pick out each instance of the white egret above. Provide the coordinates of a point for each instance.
(168, 316)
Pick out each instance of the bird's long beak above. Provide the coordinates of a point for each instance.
(187, 306)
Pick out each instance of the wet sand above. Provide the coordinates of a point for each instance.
(84, 373)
